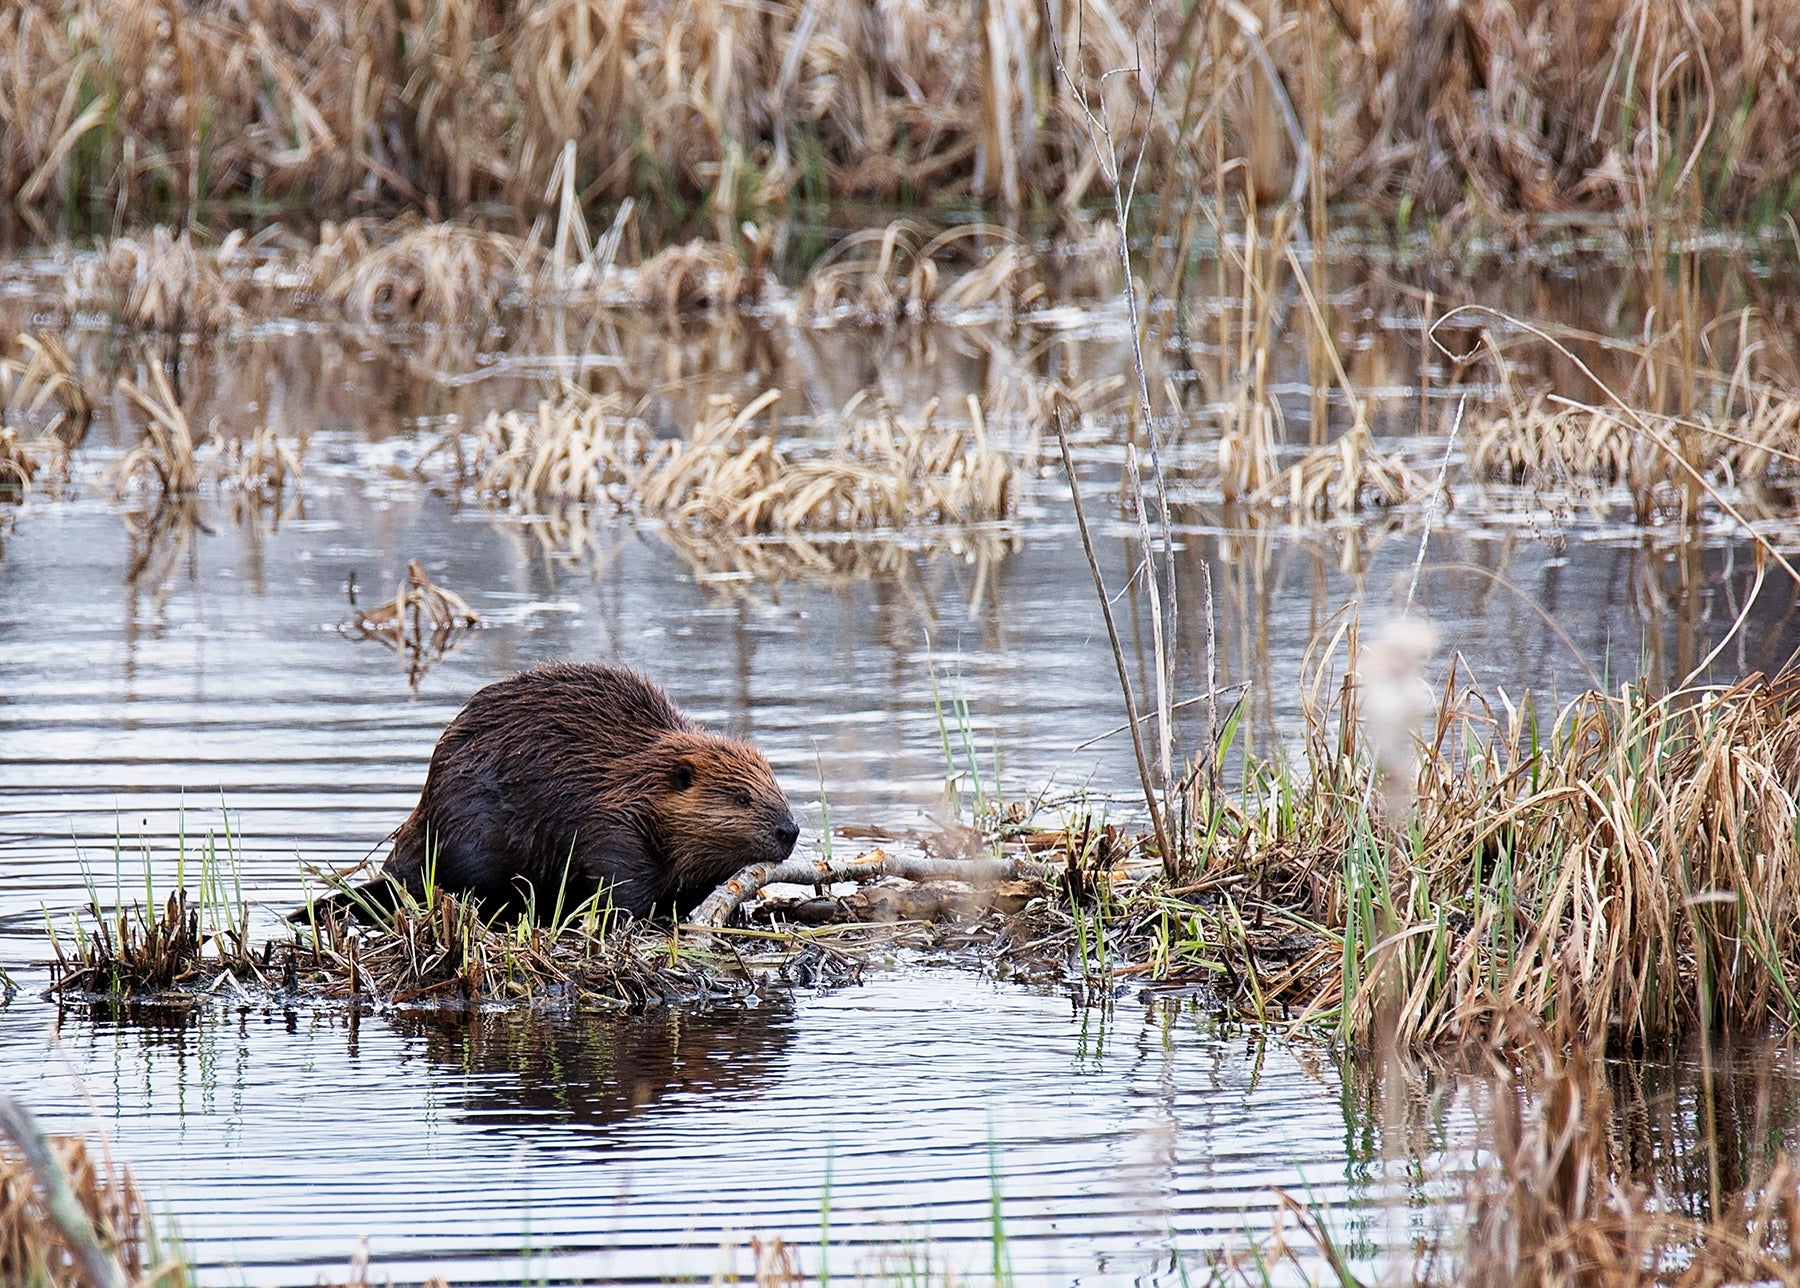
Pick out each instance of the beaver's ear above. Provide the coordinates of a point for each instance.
(683, 776)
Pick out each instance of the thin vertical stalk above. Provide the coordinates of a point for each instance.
(1060, 416)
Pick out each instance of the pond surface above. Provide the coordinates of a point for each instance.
(645, 1149)
(150, 685)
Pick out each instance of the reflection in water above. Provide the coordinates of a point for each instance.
(1694, 1127)
(599, 1068)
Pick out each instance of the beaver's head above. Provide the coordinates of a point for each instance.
(718, 808)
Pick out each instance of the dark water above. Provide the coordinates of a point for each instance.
(149, 685)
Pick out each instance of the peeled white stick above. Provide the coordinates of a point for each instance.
(810, 869)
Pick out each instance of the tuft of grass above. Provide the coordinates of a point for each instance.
(1625, 867)
(437, 948)
(883, 472)
(448, 274)
(727, 480)
(181, 940)
(1558, 442)
(582, 448)
(165, 462)
(168, 283)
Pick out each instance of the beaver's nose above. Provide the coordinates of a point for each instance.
(787, 832)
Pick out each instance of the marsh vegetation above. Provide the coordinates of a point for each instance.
(1280, 515)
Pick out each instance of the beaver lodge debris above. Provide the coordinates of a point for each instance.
(421, 623)
(973, 884)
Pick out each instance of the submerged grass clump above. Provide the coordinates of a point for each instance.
(726, 479)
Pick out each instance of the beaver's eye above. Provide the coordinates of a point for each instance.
(742, 800)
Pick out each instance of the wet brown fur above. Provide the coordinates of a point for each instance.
(584, 779)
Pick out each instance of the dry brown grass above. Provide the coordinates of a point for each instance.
(34, 1250)
(693, 276)
(1345, 477)
(749, 566)
(887, 275)
(1554, 1203)
(162, 110)
(40, 390)
(166, 283)
(439, 273)
(884, 472)
(1560, 444)
(261, 464)
(40, 395)
(165, 461)
(1438, 872)
(580, 448)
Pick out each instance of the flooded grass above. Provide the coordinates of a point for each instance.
(1613, 870)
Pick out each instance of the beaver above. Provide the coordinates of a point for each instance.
(576, 779)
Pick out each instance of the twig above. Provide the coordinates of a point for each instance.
(1431, 505)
